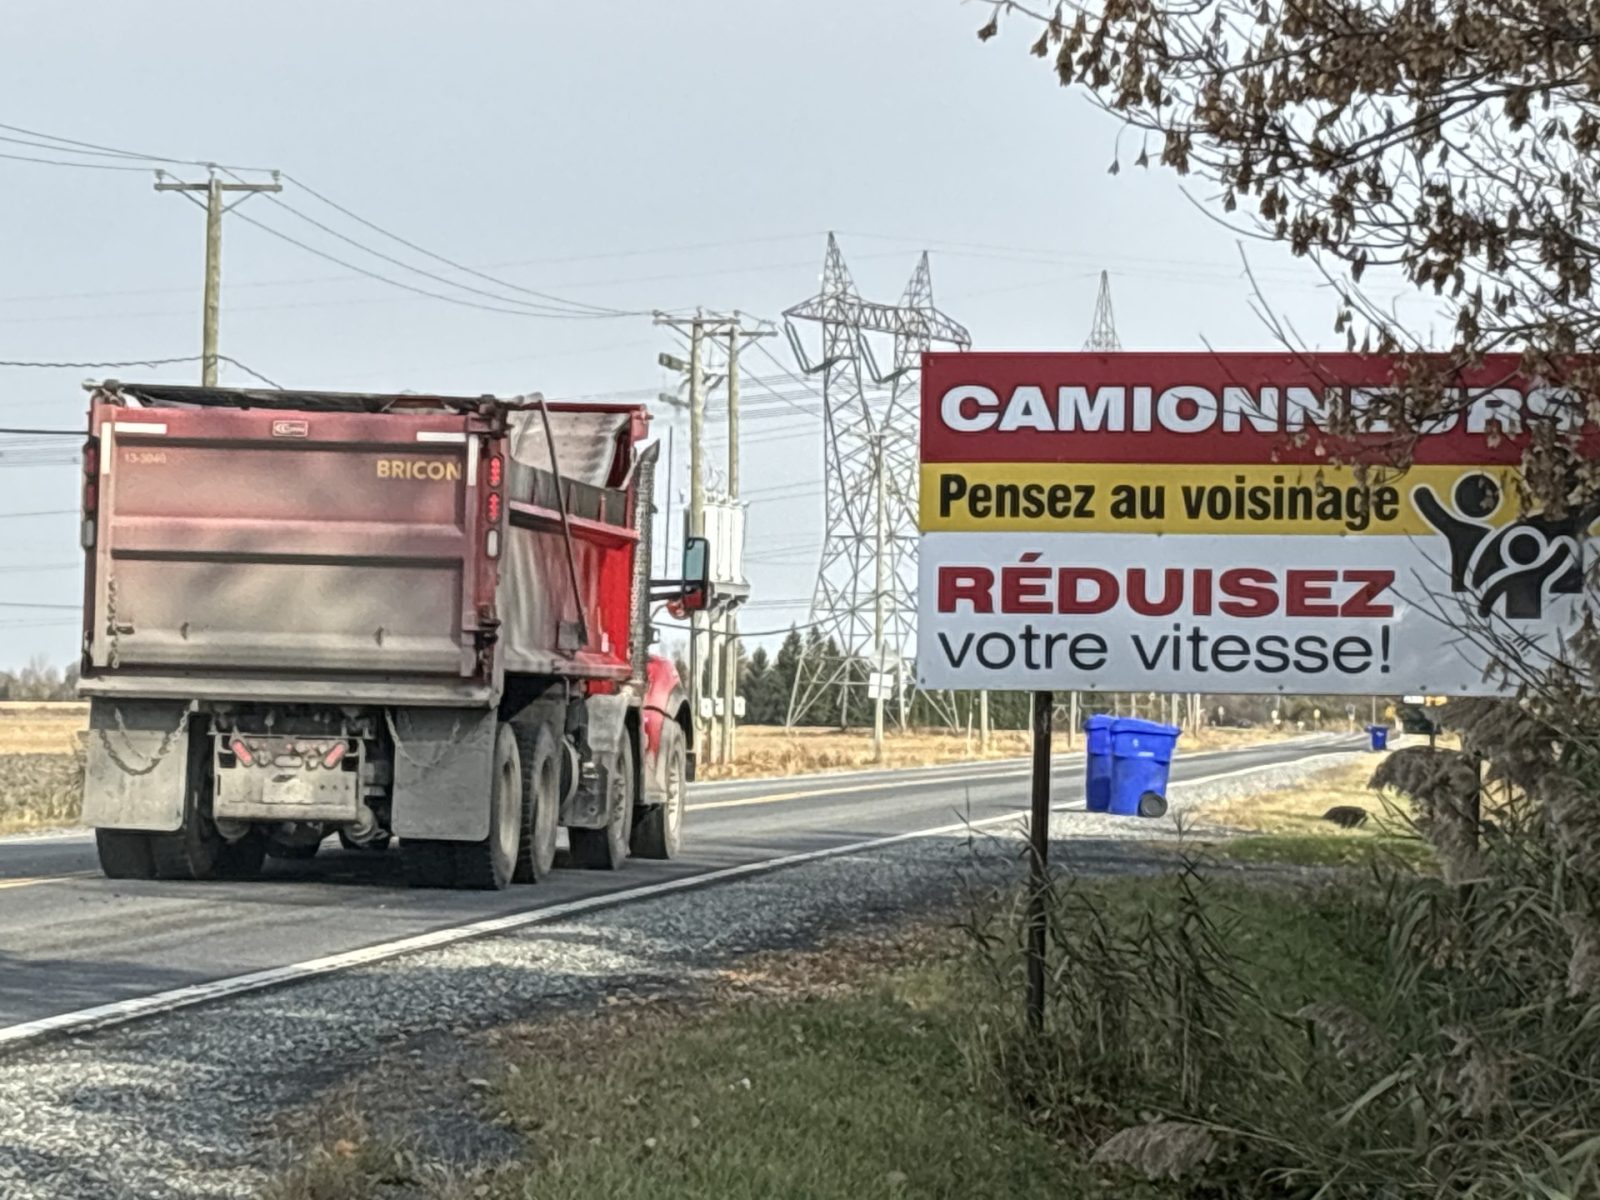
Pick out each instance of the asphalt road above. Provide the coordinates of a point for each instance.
(70, 939)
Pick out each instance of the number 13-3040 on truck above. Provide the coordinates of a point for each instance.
(377, 616)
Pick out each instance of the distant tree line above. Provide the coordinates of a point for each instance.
(39, 680)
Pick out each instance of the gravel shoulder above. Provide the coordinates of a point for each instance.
(198, 1103)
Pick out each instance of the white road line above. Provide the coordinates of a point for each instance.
(122, 1011)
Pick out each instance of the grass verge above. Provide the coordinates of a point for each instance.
(865, 1069)
(1288, 825)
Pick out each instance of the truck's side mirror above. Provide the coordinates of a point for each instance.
(696, 573)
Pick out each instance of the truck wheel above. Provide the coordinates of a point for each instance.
(489, 865)
(190, 853)
(606, 849)
(658, 833)
(124, 855)
(428, 864)
(377, 845)
(541, 799)
(293, 851)
(242, 859)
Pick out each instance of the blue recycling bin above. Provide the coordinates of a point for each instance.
(1379, 735)
(1097, 782)
(1141, 756)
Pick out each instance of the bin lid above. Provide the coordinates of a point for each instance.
(1100, 721)
(1135, 725)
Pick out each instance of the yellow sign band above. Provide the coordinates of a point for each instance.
(1206, 498)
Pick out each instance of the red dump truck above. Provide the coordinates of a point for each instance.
(376, 616)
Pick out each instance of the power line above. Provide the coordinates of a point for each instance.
(117, 152)
(450, 262)
(85, 166)
(44, 512)
(74, 146)
(97, 366)
(74, 433)
(572, 309)
(350, 266)
(300, 281)
(58, 148)
(135, 362)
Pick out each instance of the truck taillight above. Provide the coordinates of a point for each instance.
(492, 507)
(91, 476)
(242, 752)
(491, 543)
(497, 468)
(334, 756)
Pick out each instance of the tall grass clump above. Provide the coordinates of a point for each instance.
(1409, 1035)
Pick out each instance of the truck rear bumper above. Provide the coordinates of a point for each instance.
(236, 689)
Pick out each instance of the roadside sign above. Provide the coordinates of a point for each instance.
(1175, 522)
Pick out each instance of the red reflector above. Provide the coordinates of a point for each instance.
(334, 756)
(91, 495)
(496, 470)
(492, 508)
(242, 752)
(91, 458)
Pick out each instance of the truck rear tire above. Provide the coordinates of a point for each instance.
(542, 758)
(489, 865)
(658, 833)
(199, 852)
(293, 851)
(428, 864)
(124, 855)
(606, 849)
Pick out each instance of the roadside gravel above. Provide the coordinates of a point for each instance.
(190, 1104)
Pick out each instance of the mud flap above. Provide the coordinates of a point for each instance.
(443, 772)
(136, 765)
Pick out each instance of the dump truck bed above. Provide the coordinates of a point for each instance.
(324, 547)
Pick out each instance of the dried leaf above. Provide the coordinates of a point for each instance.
(1160, 1150)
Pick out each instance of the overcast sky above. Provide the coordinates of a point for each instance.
(636, 155)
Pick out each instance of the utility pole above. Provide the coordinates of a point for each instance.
(213, 189)
(697, 424)
(703, 645)
(983, 721)
(730, 624)
(714, 672)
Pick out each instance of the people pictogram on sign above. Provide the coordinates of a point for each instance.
(1516, 566)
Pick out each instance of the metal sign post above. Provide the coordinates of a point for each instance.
(1039, 855)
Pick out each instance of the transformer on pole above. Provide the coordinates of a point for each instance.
(864, 605)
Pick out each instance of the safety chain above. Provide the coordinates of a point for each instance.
(451, 751)
(113, 657)
(155, 760)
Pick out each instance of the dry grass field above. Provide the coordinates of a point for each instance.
(41, 764)
(28, 727)
(770, 750)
